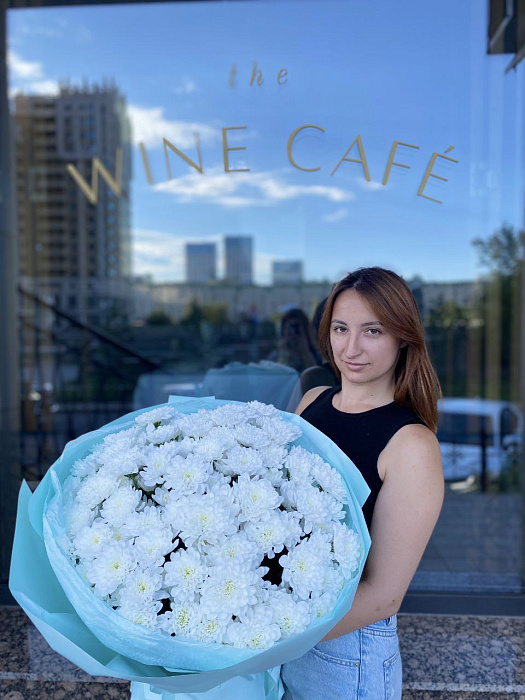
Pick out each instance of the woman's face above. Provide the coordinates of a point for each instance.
(364, 350)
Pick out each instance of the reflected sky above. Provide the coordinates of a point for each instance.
(419, 75)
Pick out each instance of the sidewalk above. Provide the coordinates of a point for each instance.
(476, 546)
(446, 657)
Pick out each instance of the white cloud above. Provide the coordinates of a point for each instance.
(369, 184)
(162, 255)
(23, 70)
(159, 254)
(334, 217)
(43, 87)
(53, 28)
(186, 87)
(234, 190)
(150, 126)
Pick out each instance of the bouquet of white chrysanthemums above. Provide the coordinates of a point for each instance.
(180, 534)
(210, 526)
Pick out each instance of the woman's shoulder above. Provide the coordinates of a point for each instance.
(309, 397)
(412, 445)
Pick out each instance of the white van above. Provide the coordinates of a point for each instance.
(465, 424)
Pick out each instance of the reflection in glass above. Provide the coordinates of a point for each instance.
(233, 190)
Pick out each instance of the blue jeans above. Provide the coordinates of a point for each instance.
(362, 665)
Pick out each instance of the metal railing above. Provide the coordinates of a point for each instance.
(75, 378)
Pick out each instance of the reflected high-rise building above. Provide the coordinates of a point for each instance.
(74, 252)
(201, 262)
(238, 252)
(287, 271)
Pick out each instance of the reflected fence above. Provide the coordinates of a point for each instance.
(74, 377)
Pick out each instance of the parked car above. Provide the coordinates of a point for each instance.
(466, 427)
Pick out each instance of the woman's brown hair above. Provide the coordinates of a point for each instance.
(391, 300)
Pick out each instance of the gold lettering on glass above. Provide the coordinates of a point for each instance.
(290, 144)
(226, 149)
(391, 160)
(429, 173)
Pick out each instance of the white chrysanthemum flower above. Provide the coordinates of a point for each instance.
(139, 522)
(303, 569)
(85, 466)
(156, 460)
(161, 495)
(255, 632)
(280, 431)
(274, 476)
(196, 425)
(203, 520)
(182, 619)
(95, 489)
(209, 629)
(230, 414)
(347, 549)
(157, 415)
(329, 480)
(316, 507)
(242, 460)
(118, 535)
(291, 616)
(162, 433)
(122, 502)
(262, 410)
(229, 590)
(256, 498)
(298, 465)
(218, 483)
(210, 448)
(144, 614)
(250, 436)
(152, 546)
(107, 571)
(70, 487)
(125, 444)
(122, 439)
(92, 539)
(288, 490)
(292, 523)
(185, 572)
(269, 534)
(333, 581)
(274, 456)
(323, 604)
(187, 475)
(119, 462)
(141, 587)
(236, 548)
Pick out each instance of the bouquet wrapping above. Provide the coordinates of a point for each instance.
(105, 640)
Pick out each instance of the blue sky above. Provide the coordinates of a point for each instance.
(416, 73)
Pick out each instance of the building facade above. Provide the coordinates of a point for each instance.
(287, 271)
(201, 262)
(74, 230)
(238, 256)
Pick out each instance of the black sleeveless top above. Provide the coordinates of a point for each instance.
(361, 436)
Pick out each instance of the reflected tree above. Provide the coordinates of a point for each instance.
(502, 255)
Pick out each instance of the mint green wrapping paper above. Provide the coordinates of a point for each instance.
(88, 632)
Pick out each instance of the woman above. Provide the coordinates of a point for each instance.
(296, 347)
(383, 416)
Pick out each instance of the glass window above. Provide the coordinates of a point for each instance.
(464, 428)
(241, 188)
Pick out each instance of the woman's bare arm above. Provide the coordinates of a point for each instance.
(405, 513)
